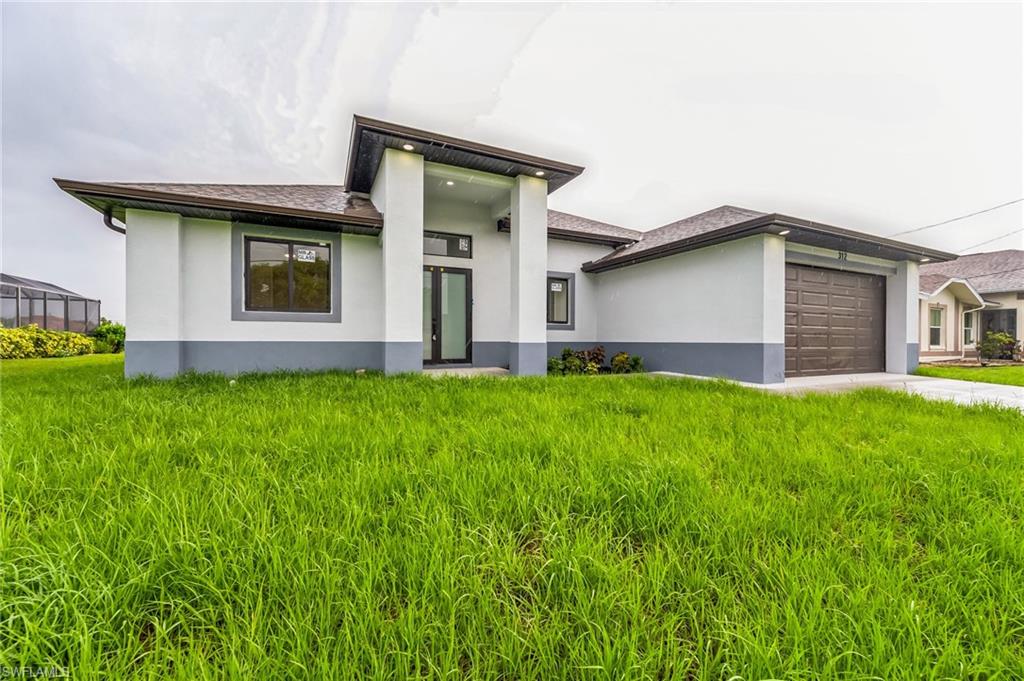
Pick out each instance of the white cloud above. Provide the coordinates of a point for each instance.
(875, 117)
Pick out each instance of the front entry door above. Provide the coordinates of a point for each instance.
(447, 315)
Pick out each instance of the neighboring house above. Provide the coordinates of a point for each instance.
(440, 250)
(26, 301)
(963, 299)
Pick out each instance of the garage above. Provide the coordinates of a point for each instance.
(835, 321)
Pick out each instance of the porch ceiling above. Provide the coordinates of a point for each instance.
(371, 137)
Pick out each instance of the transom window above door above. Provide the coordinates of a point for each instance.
(449, 245)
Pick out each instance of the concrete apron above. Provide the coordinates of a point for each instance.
(949, 390)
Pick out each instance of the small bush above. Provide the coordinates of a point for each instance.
(30, 341)
(997, 345)
(556, 366)
(591, 362)
(625, 363)
(108, 335)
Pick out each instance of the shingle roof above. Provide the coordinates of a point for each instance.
(313, 198)
(695, 225)
(566, 222)
(25, 282)
(994, 272)
(930, 283)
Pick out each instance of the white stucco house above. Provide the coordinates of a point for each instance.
(441, 250)
(963, 299)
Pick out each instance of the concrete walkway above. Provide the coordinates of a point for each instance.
(464, 372)
(960, 392)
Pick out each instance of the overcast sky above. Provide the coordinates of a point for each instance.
(875, 117)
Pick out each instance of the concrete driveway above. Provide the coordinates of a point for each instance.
(961, 392)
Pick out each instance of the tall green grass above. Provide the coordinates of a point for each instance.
(341, 526)
(1006, 375)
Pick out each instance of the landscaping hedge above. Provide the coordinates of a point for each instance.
(30, 341)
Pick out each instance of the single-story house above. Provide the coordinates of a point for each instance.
(441, 250)
(963, 299)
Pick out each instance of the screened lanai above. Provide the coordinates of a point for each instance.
(26, 301)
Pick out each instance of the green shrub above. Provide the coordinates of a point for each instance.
(109, 335)
(591, 362)
(556, 366)
(636, 364)
(997, 345)
(625, 363)
(30, 341)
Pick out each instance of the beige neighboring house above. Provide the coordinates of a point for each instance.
(963, 299)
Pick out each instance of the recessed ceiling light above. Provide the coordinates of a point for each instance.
(784, 232)
(449, 183)
(539, 173)
(408, 147)
(925, 259)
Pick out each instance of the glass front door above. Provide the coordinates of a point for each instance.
(447, 315)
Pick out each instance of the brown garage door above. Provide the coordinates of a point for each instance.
(835, 321)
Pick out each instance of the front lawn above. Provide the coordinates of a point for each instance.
(342, 526)
(1006, 375)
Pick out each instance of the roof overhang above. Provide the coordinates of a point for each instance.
(961, 289)
(504, 224)
(117, 199)
(793, 229)
(371, 137)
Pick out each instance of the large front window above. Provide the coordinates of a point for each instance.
(935, 327)
(287, 276)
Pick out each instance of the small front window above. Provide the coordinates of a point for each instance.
(935, 327)
(558, 300)
(287, 276)
(969, 328)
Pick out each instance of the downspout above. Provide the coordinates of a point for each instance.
(108, 220)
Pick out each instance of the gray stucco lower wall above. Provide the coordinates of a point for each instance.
(490, 354)
(402, 356)
(162, 359)
(913, 356)
(167, 358)
(750, 362)
(528, 359)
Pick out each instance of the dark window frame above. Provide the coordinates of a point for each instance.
(570, 279)
(239, 284)
(291, 244)
(448, 237)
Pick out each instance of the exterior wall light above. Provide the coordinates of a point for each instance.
(539, 173)
(449, 183)
(784, 232)
(408, 147)
(925, 259)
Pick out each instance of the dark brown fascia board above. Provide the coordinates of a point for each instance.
(100, 190)
(572, 235)
(760, 225)
(584, 237)
(796, 223)
(361, 123)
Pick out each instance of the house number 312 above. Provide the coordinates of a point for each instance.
(841, 255)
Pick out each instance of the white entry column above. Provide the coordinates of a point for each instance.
(528, 346)
(398, 194)
(902, 342)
